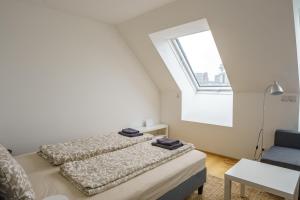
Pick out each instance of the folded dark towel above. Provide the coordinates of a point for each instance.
(172, 147)
(130, 134)
(130, 131)
(167, 141)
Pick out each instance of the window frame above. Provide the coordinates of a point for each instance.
(190, 73)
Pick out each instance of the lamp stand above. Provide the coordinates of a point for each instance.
(273, 89)
(259, 149)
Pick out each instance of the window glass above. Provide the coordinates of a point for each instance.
(202, 60)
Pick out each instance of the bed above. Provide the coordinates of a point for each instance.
(174, 180)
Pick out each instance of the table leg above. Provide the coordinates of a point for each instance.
(243, 190)
(296, 195)
(227, 188)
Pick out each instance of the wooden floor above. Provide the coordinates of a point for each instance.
(217, 165)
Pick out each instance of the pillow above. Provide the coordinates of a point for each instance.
(14, 183)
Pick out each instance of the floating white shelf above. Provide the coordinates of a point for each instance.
(158, 129)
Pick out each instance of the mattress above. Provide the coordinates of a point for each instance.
(46, 179)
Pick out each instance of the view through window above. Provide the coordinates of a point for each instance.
(200, 56)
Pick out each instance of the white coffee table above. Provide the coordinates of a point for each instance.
(276, 180)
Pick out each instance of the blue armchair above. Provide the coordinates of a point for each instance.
(286, 150)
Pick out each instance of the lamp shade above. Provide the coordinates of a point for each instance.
(276, 89)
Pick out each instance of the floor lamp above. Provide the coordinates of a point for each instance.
(273, 89)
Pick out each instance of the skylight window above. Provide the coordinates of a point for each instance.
(190, 54)
(202, 62)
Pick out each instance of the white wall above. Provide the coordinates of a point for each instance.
(240, 140)
(63, 77)
(296, 9)
(256, 41)
(208, 108)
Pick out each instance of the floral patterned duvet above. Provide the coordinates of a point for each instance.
(80, 149)
(100, 173)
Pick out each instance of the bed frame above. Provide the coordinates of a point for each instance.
(186, 188)
(182, 191)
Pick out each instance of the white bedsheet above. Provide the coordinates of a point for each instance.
(47, 181)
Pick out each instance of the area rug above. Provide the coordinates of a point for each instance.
(214, 190)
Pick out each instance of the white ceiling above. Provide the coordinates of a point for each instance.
(109, 11)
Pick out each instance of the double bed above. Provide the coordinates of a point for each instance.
(175, 179)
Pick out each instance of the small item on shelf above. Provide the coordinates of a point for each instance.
(149, 122)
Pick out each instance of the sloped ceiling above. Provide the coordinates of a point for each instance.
(255, 38)
(109, 11)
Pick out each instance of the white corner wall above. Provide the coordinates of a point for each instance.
(240, 140)
(64, 77)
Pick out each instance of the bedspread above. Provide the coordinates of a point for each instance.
(84, 148)
(103, 172)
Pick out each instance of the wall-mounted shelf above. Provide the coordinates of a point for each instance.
(158, 129)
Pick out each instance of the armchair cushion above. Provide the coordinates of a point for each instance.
(283, 157)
